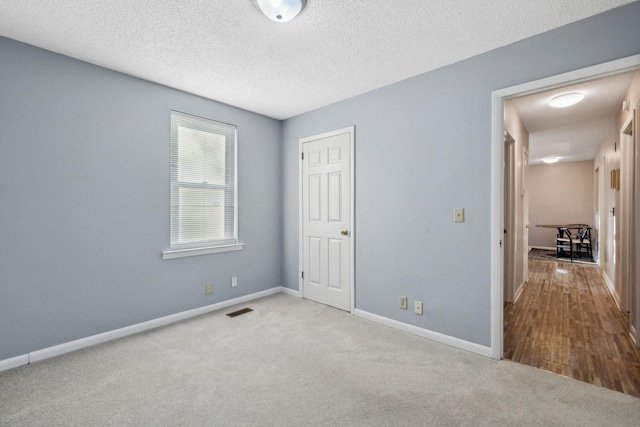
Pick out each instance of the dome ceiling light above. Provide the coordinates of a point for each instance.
(566, 100)
(551, 160)
(281, 10)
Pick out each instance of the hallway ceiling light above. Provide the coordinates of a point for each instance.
(551, 159)
(281, 10)
(566, 100)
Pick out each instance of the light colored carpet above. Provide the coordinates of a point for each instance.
(293, 362)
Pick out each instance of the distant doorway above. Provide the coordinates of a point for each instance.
(498, 175)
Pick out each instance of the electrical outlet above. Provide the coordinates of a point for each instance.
(403, 302)
(417, 307)
(234, 282)
(208, 288)
(458, 215)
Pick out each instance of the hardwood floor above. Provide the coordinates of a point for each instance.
(566, 322)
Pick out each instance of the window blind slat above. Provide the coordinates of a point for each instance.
(203, 182)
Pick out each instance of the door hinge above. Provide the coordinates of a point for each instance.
(302, 156)
(303, 275)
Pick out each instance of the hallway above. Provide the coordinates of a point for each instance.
(566, 322)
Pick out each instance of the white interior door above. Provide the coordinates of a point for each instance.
(327, 229)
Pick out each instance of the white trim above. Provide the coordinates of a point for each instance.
(632, 334)
(612, 289)
(181, 253)
(546, 248)
(605, 69)
(625, 217)
(426, 333)
(70, 346)
(351, 130)
(300, 221)
(14, 362)
(352, 219)
(497, 147)
(509, 200)
(496, 224)
(291, 292)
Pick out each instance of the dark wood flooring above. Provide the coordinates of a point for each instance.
(566, 322)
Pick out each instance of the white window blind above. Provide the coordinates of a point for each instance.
(203, 182)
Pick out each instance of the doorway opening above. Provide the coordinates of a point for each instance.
(503, 194)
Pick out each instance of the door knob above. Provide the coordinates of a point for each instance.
(345, 232)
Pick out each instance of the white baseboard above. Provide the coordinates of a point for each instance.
(14, 362)
(290, 291)
(612, 289)
(425, 333)
(70, 346)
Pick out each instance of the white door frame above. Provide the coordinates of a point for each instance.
(497, 175)
(626, 253)
(525, 217)
(509, 239)
(601, 243)
(635, 328)
(352, 228)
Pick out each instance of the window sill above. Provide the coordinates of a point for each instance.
(181, 253)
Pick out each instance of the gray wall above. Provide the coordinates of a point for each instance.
(422, 148)
(84, 216)
(89, 148)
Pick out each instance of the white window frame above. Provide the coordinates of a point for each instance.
(181, 249)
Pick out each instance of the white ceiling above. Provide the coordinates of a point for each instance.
(574, 133)
(228, 51)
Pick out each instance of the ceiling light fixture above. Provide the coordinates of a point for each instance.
(551, 159)
(566, 100)
(281, 10)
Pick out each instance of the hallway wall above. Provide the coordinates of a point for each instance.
(560, 193)
(513, 124)
(607, 159)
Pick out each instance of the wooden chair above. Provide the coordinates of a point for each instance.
(582, 242)
(564, 243)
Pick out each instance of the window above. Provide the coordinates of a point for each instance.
(203, 186)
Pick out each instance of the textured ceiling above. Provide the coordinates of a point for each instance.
(228, 51)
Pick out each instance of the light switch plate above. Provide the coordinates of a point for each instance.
(458, 214)
(403, 302)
